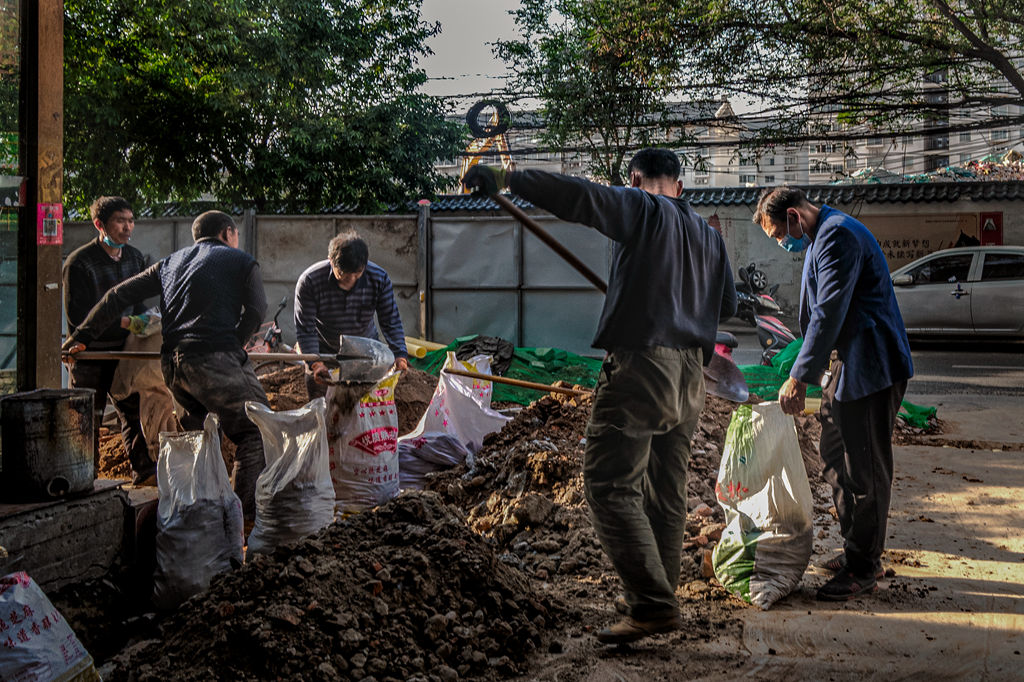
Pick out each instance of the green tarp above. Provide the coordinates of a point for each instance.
(539, 365)
(548, 365)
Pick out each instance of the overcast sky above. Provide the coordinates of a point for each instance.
(462, 56)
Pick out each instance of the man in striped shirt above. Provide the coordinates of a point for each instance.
(340, 295)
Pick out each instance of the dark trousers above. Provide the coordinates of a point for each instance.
(856, 446)
(634, 468)
(221, 383)
(98, 375)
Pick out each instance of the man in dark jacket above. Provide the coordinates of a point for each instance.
(211, 301)
(669, 286)
(847, 304)
(89, 272)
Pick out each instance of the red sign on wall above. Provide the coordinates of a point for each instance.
(991, 228)
(49, 223)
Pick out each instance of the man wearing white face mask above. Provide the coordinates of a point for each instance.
(847, 305)
(89, 272)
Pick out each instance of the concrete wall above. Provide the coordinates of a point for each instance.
(747, 243)
(285, 246)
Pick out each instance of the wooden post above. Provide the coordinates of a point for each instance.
(39, 258)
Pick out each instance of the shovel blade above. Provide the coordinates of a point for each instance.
(724, 379)
(362, 360)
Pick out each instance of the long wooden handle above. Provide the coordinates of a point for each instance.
(154, 355)
(520, 383)
(542, 234)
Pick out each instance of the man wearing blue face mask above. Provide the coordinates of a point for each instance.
(847, 305)
(89, 272)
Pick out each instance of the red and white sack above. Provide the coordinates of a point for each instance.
(36, 643)
(363, 446)
(460, 408)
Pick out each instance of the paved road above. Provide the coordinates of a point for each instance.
(983, 369)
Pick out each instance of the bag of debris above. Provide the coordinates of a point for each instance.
(460, 408)
(156, 405)
(762, 486)
(425, 454)
(294, 494)
(362, 440)
(199, 517)
(36, 643)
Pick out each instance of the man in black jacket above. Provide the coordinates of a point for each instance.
(670, 284)
(211, 301)
(89, 272)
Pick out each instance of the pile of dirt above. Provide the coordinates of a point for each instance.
(285, 386)
(525, 491)
(286, 390)
(405, 591)
(908, 434)
(113, 461)
(412, 396)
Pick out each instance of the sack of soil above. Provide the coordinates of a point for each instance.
(199, 517)
(37, 643)
(762, 486)
(460, 408)
(294, 494)
(362, 438)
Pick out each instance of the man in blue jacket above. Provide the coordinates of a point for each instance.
(669, 286)
(847, 305)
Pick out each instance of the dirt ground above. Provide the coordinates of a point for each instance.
(496, 573)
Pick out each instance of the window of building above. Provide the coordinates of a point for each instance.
(700, 181)
(771, 161)
(790, 161)
(748, 179)
(965, 136)
(1000, 134)
(964, 158)
(769, 179)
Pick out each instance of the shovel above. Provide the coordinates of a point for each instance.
(722, 378)
(359, 360)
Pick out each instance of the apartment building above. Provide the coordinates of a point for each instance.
(718, 157)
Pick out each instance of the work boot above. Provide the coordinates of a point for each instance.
(630, 630)
(845, 585)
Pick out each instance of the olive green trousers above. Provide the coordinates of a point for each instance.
(645, 409)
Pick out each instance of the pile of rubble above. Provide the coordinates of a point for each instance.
(406, 591)
(525, 491)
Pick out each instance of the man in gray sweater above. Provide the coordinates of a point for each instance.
(670, 284)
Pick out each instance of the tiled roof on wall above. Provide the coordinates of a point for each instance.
(713, 196)
(819, 194)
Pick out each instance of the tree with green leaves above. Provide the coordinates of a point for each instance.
(299, 104)
(604, 71)
(601, 70)
(880, 66)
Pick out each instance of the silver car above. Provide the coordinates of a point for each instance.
(966, 291)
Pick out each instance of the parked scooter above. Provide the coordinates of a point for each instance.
(758, 308)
